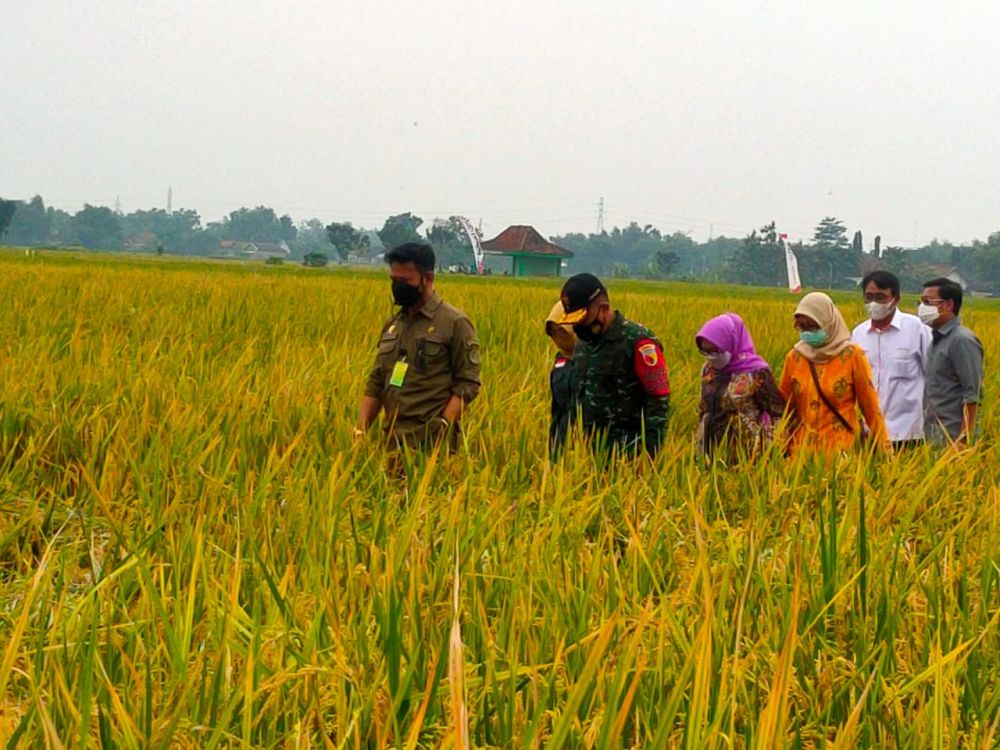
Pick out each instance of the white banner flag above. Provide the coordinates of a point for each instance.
(794, 282)
(477, 248)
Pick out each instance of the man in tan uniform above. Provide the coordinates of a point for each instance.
(427, 365)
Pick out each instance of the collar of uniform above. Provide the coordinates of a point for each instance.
(894, 323)
(430, 306)
(614, 331)
(948, 327)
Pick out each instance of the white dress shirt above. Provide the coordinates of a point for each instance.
(898, 356)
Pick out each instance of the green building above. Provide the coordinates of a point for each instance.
(530, 253)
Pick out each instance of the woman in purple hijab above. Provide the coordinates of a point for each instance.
(740, 401)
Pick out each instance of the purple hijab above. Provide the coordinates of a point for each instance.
(728, 333)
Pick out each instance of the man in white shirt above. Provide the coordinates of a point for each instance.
(898, 347)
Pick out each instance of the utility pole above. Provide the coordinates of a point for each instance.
(170, 200)
(600, 216)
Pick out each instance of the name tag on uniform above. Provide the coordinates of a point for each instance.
(398, 374)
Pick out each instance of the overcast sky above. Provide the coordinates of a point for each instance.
(693, 116)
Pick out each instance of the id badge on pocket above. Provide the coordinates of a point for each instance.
(398, 373)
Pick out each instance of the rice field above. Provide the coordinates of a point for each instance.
(195, 554)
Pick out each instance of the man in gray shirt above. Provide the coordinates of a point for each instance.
(955, 370)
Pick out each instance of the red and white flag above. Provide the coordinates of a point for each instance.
(794, 282)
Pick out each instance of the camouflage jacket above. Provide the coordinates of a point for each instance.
(623, 388)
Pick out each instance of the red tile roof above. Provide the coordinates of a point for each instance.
(521, 239)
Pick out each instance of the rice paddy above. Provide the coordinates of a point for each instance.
(194, 553)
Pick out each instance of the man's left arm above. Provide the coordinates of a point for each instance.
(967, 359)
(651, 370)
(465, 380)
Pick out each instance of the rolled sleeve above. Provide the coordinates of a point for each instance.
(465, 361)
(967, 359)
(375, 384)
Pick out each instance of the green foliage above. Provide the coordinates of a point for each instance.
(760, 259)
(346, 239)
(98, 227)
(315, 260)
(986, 263)
(274, 260)
(31, 223)
(831, 232)
(259, 224)
(175, 231)
(665, 262)
(399, 229)
(7, 211)
(451, 244)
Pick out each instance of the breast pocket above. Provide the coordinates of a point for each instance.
(387, 349)
(903, 368)
(432, 353)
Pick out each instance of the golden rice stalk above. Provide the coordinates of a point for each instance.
(456, 673)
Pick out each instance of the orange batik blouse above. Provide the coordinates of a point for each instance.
(847, 383)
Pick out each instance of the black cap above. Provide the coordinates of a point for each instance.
(577, 294)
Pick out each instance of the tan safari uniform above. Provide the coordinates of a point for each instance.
(421, 362)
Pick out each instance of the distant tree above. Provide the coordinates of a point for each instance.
(62, 228)
(253, 224)
(831, 232)
(311, 230)
(30, 225)
(832, 261)
(175, 231)
(287, 231)
(857, 244)
(451, 243)
(621, 271)
(98, 227)
(7, 210)
(346, 239)
(666, 262)
(760, 259)
(986, 261)
(399, 229)
(310, 237)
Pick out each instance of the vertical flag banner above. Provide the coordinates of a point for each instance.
(477, 247)
(794, 282)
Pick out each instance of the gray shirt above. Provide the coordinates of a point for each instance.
(954, 378)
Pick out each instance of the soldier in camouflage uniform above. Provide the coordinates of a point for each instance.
(622, 388)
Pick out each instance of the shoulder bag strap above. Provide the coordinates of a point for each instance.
(825, 400)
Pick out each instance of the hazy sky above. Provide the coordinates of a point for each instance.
(692, 116)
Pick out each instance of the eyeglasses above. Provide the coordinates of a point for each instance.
(928, 301)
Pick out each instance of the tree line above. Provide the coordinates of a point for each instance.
(830, 260)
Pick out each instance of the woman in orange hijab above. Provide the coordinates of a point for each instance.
(826, 380)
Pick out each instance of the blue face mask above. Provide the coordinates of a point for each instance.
(814, 339)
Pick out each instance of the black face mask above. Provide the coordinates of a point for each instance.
(405, 295)
(588, 332)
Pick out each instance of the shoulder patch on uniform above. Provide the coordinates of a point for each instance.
(648, 352)
(651, 368)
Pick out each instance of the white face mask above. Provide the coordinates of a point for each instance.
(927, 313)
(879, 310)
(718, 360)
